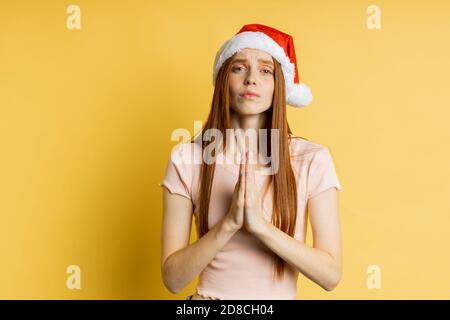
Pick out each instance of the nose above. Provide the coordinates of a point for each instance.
(250, 79)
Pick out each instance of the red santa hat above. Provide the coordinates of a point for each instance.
(280, 46)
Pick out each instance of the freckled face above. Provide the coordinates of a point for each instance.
(251, 82)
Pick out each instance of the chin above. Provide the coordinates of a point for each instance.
(250, 108)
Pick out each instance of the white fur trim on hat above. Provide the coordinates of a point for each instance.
(297, 95)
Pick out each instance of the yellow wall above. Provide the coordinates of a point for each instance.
(86, 117)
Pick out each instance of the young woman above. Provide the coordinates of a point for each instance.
(250, 214)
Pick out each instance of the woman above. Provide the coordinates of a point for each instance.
(251, 214)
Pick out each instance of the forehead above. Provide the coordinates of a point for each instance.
(252, 53)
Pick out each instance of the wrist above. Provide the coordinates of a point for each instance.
(229, 226)
(260, 228)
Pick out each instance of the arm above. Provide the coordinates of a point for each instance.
(321, 263)
(181, 262)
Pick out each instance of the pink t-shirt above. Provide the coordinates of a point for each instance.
(243, 269)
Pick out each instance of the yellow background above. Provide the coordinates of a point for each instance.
(86, 117)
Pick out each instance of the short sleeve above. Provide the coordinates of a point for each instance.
(178, 176)
(322, 174)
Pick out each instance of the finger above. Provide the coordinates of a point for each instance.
(250, 183)
(247, 167)
(238, 183)
(242, 180)
(240, 144)
(241, 168)
(251, 170)
(245, 173)
(236, 187)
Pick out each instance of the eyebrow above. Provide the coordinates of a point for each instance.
(269, 62)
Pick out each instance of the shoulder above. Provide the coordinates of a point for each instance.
(315, 164)
(186, 153)
(311, 158)
(305, 150)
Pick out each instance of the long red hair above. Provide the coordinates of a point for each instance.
(284, 190)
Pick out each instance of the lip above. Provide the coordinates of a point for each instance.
(249, 95)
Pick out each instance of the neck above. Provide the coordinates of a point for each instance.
(252, 121)
(245, 122)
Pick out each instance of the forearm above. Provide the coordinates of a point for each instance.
(317, 265)
(184, 265)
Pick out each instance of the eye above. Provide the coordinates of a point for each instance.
(267, 71)
(238, 68)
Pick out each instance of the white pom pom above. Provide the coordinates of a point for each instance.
(298, 95)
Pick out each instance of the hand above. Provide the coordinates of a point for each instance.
(253, 218)
(235, 215)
